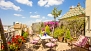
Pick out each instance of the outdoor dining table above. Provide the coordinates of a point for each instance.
(43, 38)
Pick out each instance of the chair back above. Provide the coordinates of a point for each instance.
(82, 40)
(85, 41)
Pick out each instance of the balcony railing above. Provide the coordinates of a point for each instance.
(10, 34)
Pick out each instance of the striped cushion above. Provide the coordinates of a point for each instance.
(36, 39)
(53, 40)
(50, 44)
(34, 42)
(82, 40)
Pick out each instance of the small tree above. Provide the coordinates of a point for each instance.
(55, 13)
(47, 30)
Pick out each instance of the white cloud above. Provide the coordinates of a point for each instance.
(42, 2)
(46, 20)
(27, 2)
(31, 21)
(38, 20)
(43, 17)
(8, 5)
(23, 17)
(50, 15)
(30, 12)
(18, 15)
(48, 3)
(73, 6)
(35, 12)
(34, 16)
(60, 16)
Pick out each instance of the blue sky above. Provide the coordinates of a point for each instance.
(30, 11)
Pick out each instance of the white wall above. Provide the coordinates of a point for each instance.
(88, 13)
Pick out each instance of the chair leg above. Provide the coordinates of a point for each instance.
(79, 49)
(71, 46)
(50, 49)
(55, 48)
(33, 47)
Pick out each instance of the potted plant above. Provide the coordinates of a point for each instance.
(68, 37)
(59, 33)
(47, 30)
(15, 43)
(13, 46)
(25, 35)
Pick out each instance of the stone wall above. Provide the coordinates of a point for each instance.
(75, 24)
(36, 27)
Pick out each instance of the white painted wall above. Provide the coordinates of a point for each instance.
(88, 13)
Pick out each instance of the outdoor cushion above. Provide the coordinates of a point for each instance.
(80, 41)
(50, 44)
(90, 48)
(84, 41)
(34, 42)
(53, 40)
(36, 39)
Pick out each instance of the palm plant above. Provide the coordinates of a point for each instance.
(56, 13)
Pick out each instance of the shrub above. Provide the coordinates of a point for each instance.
(25, 34)
(47, 30)
(68, 35)
(58, 32)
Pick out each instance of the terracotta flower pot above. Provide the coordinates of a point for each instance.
(68, 40)
(60, 38)
(20, 44)
(16, 49)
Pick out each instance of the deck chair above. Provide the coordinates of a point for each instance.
(34, 43)
(82, 42)
(54, 40)
(36, 39)
(51, 45)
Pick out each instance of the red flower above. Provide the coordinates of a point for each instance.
(2, 47)
(13, 39)
(17, 36)
(9, 43)
(17, 39)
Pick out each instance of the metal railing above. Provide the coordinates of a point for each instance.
(9, 35)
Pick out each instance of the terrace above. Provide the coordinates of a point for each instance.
(28, 46)
(64, 31)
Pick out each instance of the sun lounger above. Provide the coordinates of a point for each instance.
(81, 42)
